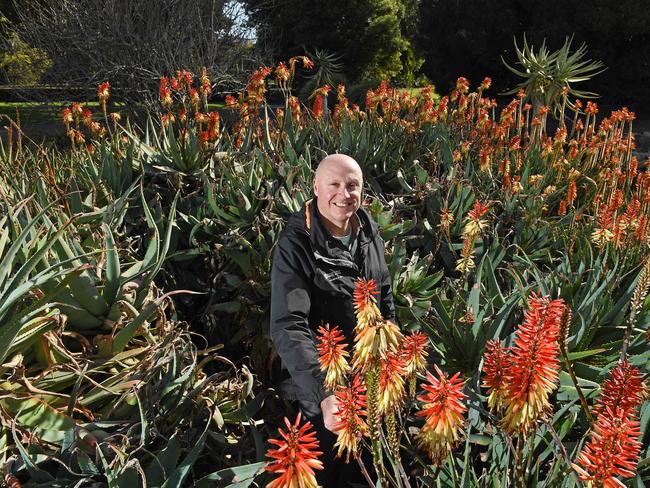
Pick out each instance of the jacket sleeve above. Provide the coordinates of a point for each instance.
(386, 305)
(290, 331)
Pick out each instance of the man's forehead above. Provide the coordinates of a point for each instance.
(339, 165)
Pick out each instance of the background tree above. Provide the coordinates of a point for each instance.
(368, 35)
(132, 44)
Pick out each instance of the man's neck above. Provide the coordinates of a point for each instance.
(336, 230)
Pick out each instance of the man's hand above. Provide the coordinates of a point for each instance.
(330, 408)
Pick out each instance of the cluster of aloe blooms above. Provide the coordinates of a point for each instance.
(372, 390)
(180, 91)
(518, 380)
(76, 117)
(615, 439)
(586, 146)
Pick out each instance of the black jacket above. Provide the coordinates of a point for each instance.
(313, 280)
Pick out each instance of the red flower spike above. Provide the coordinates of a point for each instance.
(414, 352)
(443, 411)
(352, 403)
(103, 92)
(624, 389)
(365, 303)
(613, 449)
(296, 457)
(534, 365)
(495, 364)
(332, 354)
(392, 374)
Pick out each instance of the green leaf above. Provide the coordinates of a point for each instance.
(112, 268)
(240, 476)
(180, 473)
(35, 413)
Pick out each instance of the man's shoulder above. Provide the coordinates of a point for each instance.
(295, 230)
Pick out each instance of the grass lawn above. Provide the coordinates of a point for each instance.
(44, 112)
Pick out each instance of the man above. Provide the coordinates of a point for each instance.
(325, 248)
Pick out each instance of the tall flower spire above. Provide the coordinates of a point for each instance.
(350, 426)
(296, 457)
(624, 389)
(613, 449)
(374, 336)
(443, 411)
(414, 352)
(332, 354)
(534, 365)
(415, 357)
(615, 443)
(495, 365)
(365, 303)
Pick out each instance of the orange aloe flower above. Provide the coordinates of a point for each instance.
(194, 98)
(495, 365)
(414, 352)
(350, 426)
(474, 224)
(446, 219)
(66, 115)
(375, 342)
(86, 117)
(332, 354)
(103, 93)
(613, 449)
(282, 74)
(296, 457)
(165, 92)
(317, 107)
(443, 411)
(365, 303)
(534, 366)
(392, 373)
(624, 389)
(206, 85)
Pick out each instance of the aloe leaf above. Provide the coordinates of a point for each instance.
(12, 327)
(180, 473)
(35, 413)
(7, 261)
(144, 286)
(21, 274)
(35, 473)
(112, 268)
(240, 476)
(127, 333)
(164, 463)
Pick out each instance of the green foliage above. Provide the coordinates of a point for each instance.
(367, 34)
(24, 65)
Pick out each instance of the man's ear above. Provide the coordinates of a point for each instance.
(315, 186)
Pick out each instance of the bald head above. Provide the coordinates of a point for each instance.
(337, 185)
(338, 160)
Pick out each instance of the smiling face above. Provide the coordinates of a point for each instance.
(337, 184)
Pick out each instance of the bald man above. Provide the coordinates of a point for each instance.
(324, 249)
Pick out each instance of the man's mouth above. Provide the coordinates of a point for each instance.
(342, 205)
